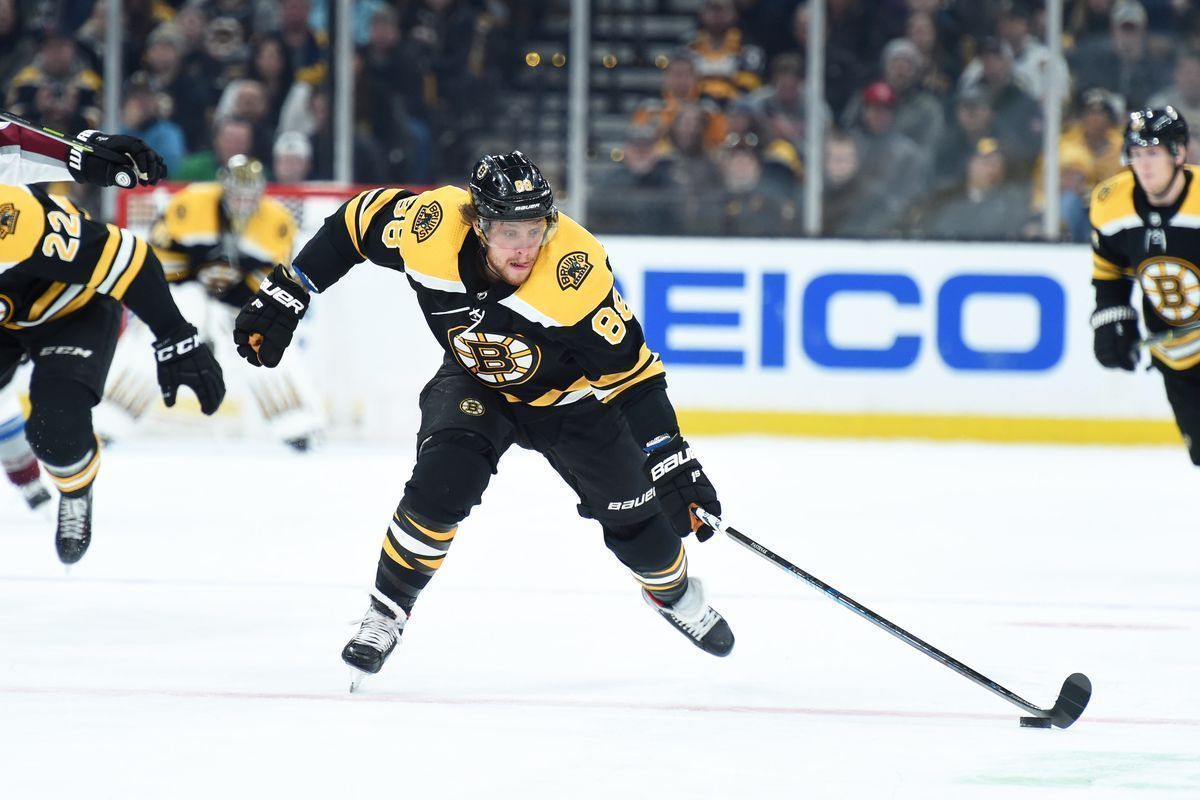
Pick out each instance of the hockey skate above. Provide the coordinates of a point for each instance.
(37, 497)
(74, 532)
(378, 634)
(692, 616)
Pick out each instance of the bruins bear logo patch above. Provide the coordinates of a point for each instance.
(471, 407)
(427, 220)
(8, 219)
(573, 268)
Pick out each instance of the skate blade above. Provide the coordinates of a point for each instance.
(357, 676)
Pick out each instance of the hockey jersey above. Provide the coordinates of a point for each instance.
(195, 240)
(54, 260)
(1159, 249)
(563, 335)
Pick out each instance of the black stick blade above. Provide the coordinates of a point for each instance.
(1072, 700)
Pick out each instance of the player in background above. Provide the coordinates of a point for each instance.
(28, 156)
(540, 351)
(1146, 229)
(217, 241)
(62, 279)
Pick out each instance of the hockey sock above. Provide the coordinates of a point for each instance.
(653, 553)
(413, 549)
(668, 584)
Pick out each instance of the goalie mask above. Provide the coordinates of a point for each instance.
(507, 188)
(243, 183)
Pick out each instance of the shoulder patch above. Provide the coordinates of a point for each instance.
(427, 220)
(8, 219)
(1104, 192)
(573, 269)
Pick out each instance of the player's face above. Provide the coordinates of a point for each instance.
(1154, 168)
(512, 247)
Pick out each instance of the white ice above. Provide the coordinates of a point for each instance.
(193, 653)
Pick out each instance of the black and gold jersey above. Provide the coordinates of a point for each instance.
(54, 260)
(1159, 249)
(195, 240)
(563, 335)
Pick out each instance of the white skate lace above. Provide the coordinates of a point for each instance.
(378, 631)
(697, 628)
(72, 518)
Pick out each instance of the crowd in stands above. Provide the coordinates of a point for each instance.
(932, 116)
(932, 110)
(207, 79)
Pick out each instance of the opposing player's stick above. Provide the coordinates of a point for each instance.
(1072, 700)
(126, 177)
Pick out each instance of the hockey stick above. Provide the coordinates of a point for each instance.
(1072, 700)
(1168, 336)
(125, 178)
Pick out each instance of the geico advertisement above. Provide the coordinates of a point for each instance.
(889, 327)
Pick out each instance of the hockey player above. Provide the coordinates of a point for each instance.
(217, 241)
(28, 156)
(541, 351)
(62, 278)
(1146, 229)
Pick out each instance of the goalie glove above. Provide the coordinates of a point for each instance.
(680, 483)
(184, 360)
(131, 152)
(1116, 337)
(264, 327)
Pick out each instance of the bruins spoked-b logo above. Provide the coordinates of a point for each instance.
(1172, 286)
(427, 220)
(8, 219)
(6, 308)
(573, 268)
(493, 358)
(471, 407)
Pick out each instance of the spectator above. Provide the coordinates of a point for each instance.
(855, 205)
(728, 66)
(270, 65)
(1123, 64)
(641, 195)
(917, 114)
(746, 205)
(986, 207)
(17, 47)
(141, 116)
(292, 162)
(247, 99)
(395, 81)
(307, 48)
(973, 121)
(224, 57)
(231, 136)
(1033, 65)
(1018, 118)
(189, 98)
(58, 89)
(843, 75)
(940, 65)
(681, 85)
(366, 153)
(759, 20)
(1184, 93)
(781, 105)
(887, 155)
(781, 164)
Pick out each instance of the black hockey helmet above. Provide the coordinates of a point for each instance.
(1155, 126)
(510, 187)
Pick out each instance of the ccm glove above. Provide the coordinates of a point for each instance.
(264, 328)
(680, 483)
(1116, 332)
(183, 360)
(115, 160)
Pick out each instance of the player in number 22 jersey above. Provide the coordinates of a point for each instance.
(541, 351)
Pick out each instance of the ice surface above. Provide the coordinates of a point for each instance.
(193, 653)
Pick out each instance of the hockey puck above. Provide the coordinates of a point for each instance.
(1035, 722)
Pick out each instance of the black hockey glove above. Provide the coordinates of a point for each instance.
(680, 482)
(1116, 331)
(184, 360)
(115, 160)
(264, 328)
